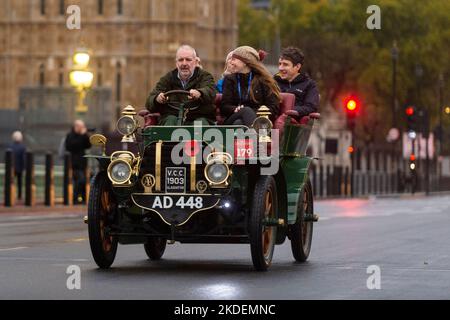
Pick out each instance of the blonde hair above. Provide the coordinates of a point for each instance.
(263, 76)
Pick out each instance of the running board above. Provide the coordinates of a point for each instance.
(311, 218)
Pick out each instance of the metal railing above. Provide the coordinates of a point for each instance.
(44, 184)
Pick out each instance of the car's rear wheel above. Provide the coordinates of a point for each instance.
(301, 231)
(101, 211)
(155, 247)
(262, 237)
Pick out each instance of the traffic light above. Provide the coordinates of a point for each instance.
(412, 162)
(412, 118)
(352, 106)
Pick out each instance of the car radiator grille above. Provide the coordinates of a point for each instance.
(148, 166)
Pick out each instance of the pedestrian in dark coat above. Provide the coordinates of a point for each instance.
(77, 142)
(19, 150)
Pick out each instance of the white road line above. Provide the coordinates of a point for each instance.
(13, 249)
(42, 259)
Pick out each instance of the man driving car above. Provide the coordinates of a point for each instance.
(187, 76)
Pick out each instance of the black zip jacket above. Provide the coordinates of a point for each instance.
(305, 90)
(231, 99)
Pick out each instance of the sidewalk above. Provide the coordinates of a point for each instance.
(40, 209)
(387, 196)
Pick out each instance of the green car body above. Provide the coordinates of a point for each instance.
(201, 211)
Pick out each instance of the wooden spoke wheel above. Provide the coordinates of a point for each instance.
(262, 237)
(101, 211)
(302, 231)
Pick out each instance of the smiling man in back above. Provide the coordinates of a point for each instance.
(290, 79)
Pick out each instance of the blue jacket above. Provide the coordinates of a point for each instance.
(219, 85)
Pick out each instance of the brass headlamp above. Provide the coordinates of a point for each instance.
(122, 167)
(127, 124)
(217, 170)
(262, 124)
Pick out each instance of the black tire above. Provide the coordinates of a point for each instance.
(262, 238)
(301, 231)
(155, 247)
(101, 210)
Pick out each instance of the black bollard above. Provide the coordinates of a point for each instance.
(328, 181)
(346, 184)
(321, 180)
(67, 184)
(314, 179)
(339, 181)
(9, 191)
(30, 186)
(49, 181)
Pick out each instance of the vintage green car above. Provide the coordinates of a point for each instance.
(204, 184)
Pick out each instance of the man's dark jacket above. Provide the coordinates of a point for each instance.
(201, 80)
(76, 144)
(305, 91)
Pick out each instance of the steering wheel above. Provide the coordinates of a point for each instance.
(177, 104)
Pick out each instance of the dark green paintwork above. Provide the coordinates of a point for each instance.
(294, 164)
(296, 174)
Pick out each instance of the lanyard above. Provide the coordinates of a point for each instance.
(248, 88)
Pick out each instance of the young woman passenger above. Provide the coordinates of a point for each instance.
(249, 87)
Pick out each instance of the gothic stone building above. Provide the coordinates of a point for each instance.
(133, 44)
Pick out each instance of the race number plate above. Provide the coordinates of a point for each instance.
(175, 180)
(243, 149)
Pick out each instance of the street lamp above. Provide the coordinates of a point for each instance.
(81, 78)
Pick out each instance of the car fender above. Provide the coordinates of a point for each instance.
(104, 161)
(296, 173)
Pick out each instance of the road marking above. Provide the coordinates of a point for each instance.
(76, 240)
(13, 249)
(42, 259)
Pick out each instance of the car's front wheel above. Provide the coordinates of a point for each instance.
(262, 236)
(101, 210)
(155, 247)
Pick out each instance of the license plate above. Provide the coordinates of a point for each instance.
(178, 202)
(175, 180)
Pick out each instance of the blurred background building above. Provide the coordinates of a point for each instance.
(132, 44)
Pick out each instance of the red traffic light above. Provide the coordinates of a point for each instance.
(409, 111)
(351, 149)
(412, 157)
(351, 105)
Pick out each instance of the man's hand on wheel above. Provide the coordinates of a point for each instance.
(161, 98)
(194, 94)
